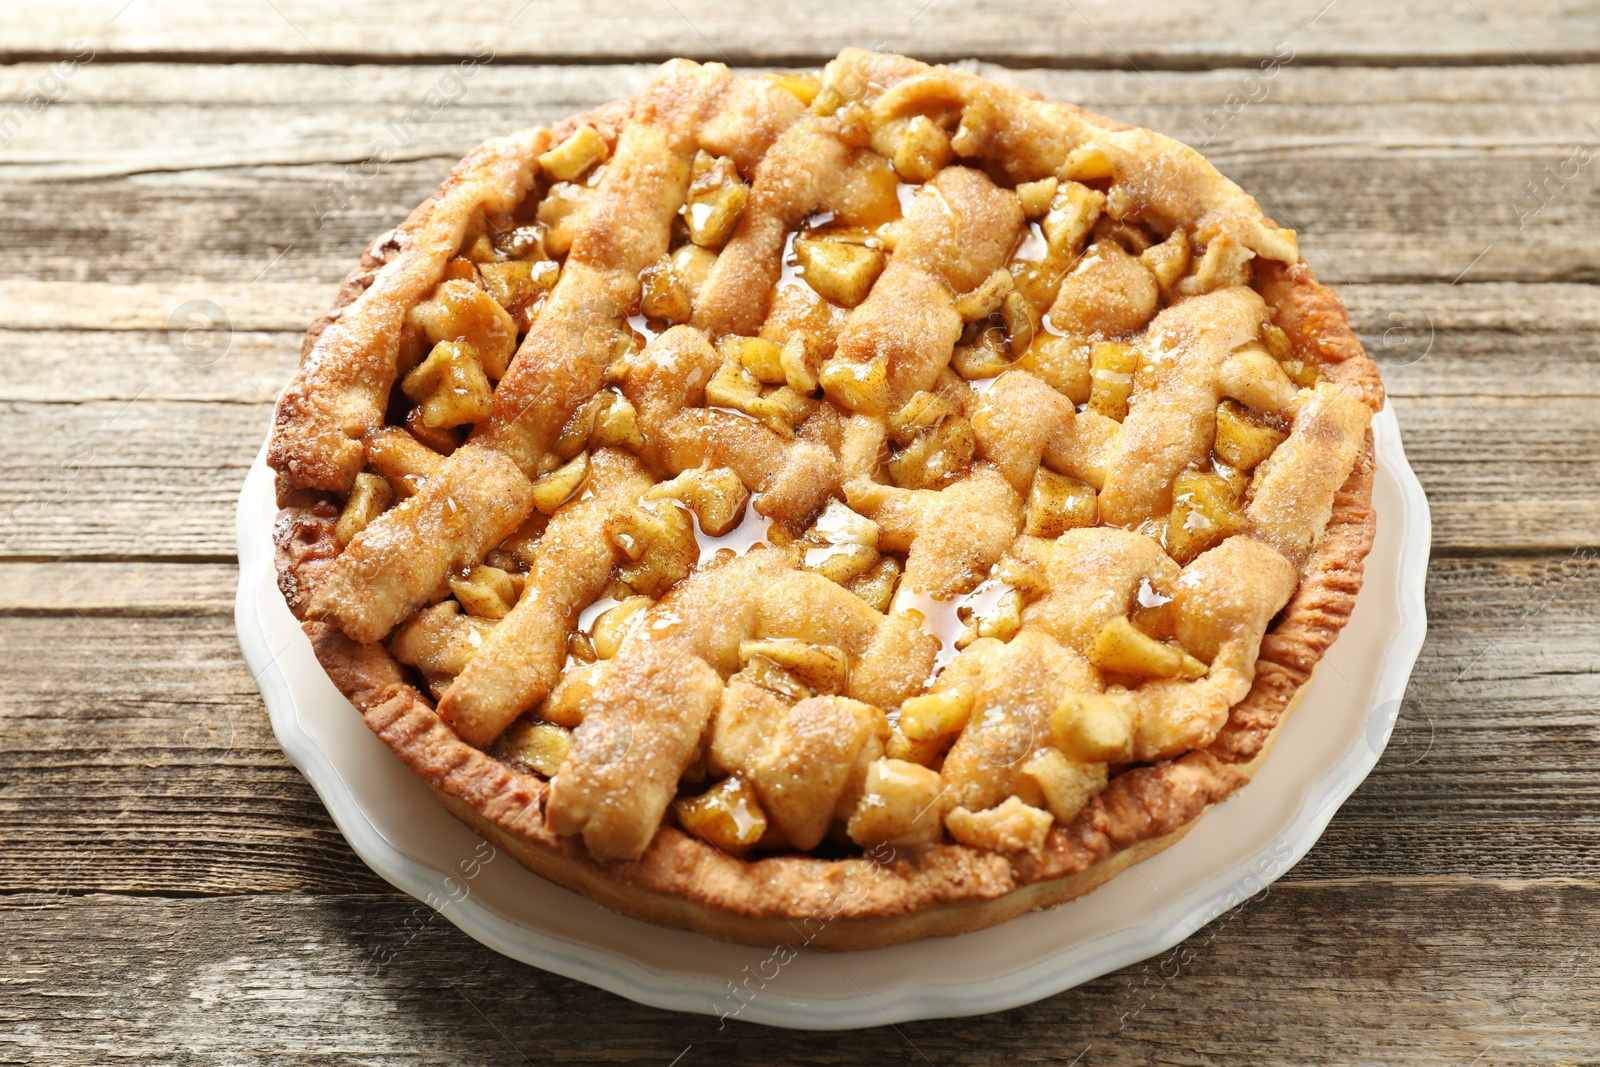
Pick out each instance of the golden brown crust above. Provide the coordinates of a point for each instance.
(347, 356)
(342, 387)
(683, 882)
(1314, 318)
(887, 898)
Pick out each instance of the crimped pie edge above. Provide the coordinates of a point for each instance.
(683, 882)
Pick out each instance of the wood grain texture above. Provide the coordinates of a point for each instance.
(1098, 33)
(1507, 457)
(124, 590)
(1389, 175)
(174, 892)
(122, 118)
(1473, 330)
(1364, 215)
(349, 978)
(114, 689)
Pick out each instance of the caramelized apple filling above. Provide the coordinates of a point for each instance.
(836, 459)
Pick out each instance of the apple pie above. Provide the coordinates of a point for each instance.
(828, 508)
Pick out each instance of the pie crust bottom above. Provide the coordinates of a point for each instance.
(960, 917)
(865, 902)
(859, 903)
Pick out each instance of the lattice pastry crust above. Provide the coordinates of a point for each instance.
(830, 508)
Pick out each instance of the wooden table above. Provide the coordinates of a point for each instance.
(174, 891)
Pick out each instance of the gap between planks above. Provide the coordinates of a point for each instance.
(1128, 63)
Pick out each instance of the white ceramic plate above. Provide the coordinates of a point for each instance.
(398, 827)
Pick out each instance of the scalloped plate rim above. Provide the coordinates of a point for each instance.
(337, 777)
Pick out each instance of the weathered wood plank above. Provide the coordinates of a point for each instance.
(259, 305)
(1363, 216)
(1385, 173)
(161, 478)
(117, 119)
(126, 479)
(108, 692)
(151, 117)
(152, 734)
(1424, 974)
(1088, 33)
(1481, 340)
(237, 366)
(117, 589)
(1496, 472)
